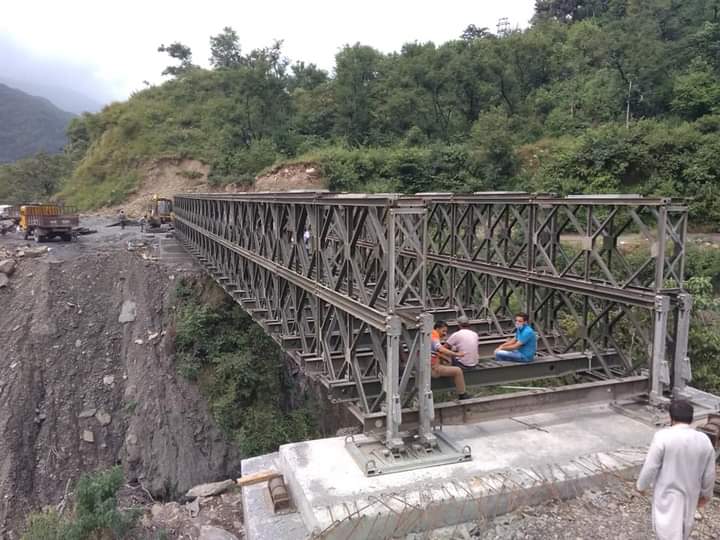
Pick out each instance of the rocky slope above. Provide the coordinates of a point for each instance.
(81, 390)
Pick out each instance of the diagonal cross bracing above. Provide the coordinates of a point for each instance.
(349, 284)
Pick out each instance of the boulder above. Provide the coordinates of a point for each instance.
(35, 251)
(88, 436)
(103, 417)
(208, 490)
(7, 267)
(87, 413)
(4, 280)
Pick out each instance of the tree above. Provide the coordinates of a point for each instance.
(570, 10)
(225, 49)
(307, 76)
(473, 32)
(36, 178)
(492, 145)
(357, 69)
(696, 92)
(180, 52)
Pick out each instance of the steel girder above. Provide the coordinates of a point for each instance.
(354, 303)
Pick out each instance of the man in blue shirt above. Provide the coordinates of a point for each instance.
(522, 347)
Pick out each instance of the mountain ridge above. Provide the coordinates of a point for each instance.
(63, 98)
(30, 124)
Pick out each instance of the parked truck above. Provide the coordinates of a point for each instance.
(10, 212)
(46, 221)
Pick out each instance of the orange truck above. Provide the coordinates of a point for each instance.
(46, 221)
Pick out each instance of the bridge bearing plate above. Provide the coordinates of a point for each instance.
(374, 458)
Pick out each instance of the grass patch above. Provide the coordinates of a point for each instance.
(95, 513)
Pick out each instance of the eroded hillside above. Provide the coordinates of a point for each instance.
(80, 390)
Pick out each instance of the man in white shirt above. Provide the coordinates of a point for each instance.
(306, 238)
(681, 465)
(465, 341)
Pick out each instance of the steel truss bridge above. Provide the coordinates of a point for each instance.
(354, 304)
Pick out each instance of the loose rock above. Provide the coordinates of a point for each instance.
(208, 490)
(103, 417)
(7, 267)
(127, 312)
(34, 252)
(87, 413)
(88, 436)
(3, 281)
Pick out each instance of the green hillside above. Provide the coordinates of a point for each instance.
(619, 95)
(29, 124)
(607, 96)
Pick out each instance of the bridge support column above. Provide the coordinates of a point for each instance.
(391, 384)
(682, 373)
(426, 408)
(659, 369)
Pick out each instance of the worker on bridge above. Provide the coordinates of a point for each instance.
(522, 346)
(465, 341)
(441, 357)
(681, 464)
(306, 239)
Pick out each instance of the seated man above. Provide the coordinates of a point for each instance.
(465, 341)
(441, 356)
(522, 347)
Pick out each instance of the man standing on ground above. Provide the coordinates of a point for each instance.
(466, 341)
(441, 356)
(521, 347)
(681, 465)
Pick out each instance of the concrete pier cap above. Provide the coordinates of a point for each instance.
(516, 461)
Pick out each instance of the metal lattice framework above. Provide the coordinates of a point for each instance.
(354, 303)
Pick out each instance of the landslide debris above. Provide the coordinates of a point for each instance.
(84, 386)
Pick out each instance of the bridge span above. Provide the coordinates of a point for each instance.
(349, 285)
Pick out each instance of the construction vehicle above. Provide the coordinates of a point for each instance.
(46, 221)
(159, 212)
(10, 213)
(9, 216)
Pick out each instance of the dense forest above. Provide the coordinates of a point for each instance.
(595, 96)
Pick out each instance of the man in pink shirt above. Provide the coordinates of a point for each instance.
(464, 340)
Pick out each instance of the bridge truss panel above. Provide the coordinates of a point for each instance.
(350, 284)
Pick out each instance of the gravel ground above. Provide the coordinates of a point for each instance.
(616, 512)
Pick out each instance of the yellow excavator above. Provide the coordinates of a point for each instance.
(159, 212)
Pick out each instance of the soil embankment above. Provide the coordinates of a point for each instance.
(80, 390)
(168, 177)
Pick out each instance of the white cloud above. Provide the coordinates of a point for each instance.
(116, 43)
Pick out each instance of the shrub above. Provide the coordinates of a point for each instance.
(239, 369)
(95, 515)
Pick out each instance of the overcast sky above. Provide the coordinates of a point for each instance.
(107, 49)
